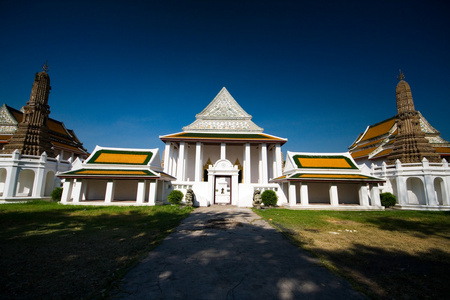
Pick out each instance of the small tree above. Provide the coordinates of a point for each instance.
(269, 198)
(387, 199)
(175, 197)
(56, 194)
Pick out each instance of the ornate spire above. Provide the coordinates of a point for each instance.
(410, 145)
(31, 136)
(45, 66)
(400, 76)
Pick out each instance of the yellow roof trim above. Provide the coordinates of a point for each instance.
(120, 158)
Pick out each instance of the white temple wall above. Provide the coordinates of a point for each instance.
(270, 161)
(246, 195)
(190, 161)
(2, 180)
(235, 151)
(416, 192)
(202, 194)
(96, 189)
(440, 190)
(125, 189)
(319, 193)
(211, 152)
(25, 183)
(348, 193)
(254, 154)
(49, 183)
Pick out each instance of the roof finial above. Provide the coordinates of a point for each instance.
(400, 76)
(45, 66)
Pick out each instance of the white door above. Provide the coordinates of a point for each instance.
(222, 190)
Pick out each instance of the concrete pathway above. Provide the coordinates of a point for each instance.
(224, 252)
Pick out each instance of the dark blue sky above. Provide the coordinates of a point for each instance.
(316, 72)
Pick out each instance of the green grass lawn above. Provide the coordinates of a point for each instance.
(385, 254)
(49, 250)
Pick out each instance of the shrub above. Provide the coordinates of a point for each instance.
(56, 194)
(269, 198)
(388, 200)
(175, 197)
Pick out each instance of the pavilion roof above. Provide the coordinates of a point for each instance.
(317, 161)
(327, 177)
(120, 157)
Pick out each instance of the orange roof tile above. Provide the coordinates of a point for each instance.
(362, 153)
(442, 150)
(379, 129)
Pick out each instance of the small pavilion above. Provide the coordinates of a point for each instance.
(328, 180)
(116, 176)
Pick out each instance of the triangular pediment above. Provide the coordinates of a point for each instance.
(8, 124)
(223, 114)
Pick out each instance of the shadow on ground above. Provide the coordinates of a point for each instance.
(221, 253)
(56, 254)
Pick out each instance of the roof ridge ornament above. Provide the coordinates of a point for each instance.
(45, 66)
(400, 76)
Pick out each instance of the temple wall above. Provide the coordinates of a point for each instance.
(348, 193)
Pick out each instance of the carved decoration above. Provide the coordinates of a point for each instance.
(223, 114)
(32, 134)
(410, 146)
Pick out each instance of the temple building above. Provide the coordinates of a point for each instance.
(34, 148)
(409, 154)
(223, 156)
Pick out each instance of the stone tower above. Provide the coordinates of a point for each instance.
(31, 136)
(410, 146)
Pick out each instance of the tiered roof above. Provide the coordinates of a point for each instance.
(376, 142)
(326, 167)
(119, 163)
(223, 120)
(60, 137)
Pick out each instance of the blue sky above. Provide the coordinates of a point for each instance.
(316, 72)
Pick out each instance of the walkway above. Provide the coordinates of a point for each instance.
(224, 252)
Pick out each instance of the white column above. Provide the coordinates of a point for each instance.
(167, 159)
(375, 195)
(247, 164)
(429, 191)
(77, 190)
(173, 161)
(152, 193)
(84, 190)
(235, 190)
(109, 196)
(223, 151)
(140, 197)
(402, 192)
(264, 163)
(39, 177)
(278, 168)
(198, 162)
(11, 176)
(180, 165)
(292, 194)
(363, 195)
(67, 190)
(334, 198)
(304, 196)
